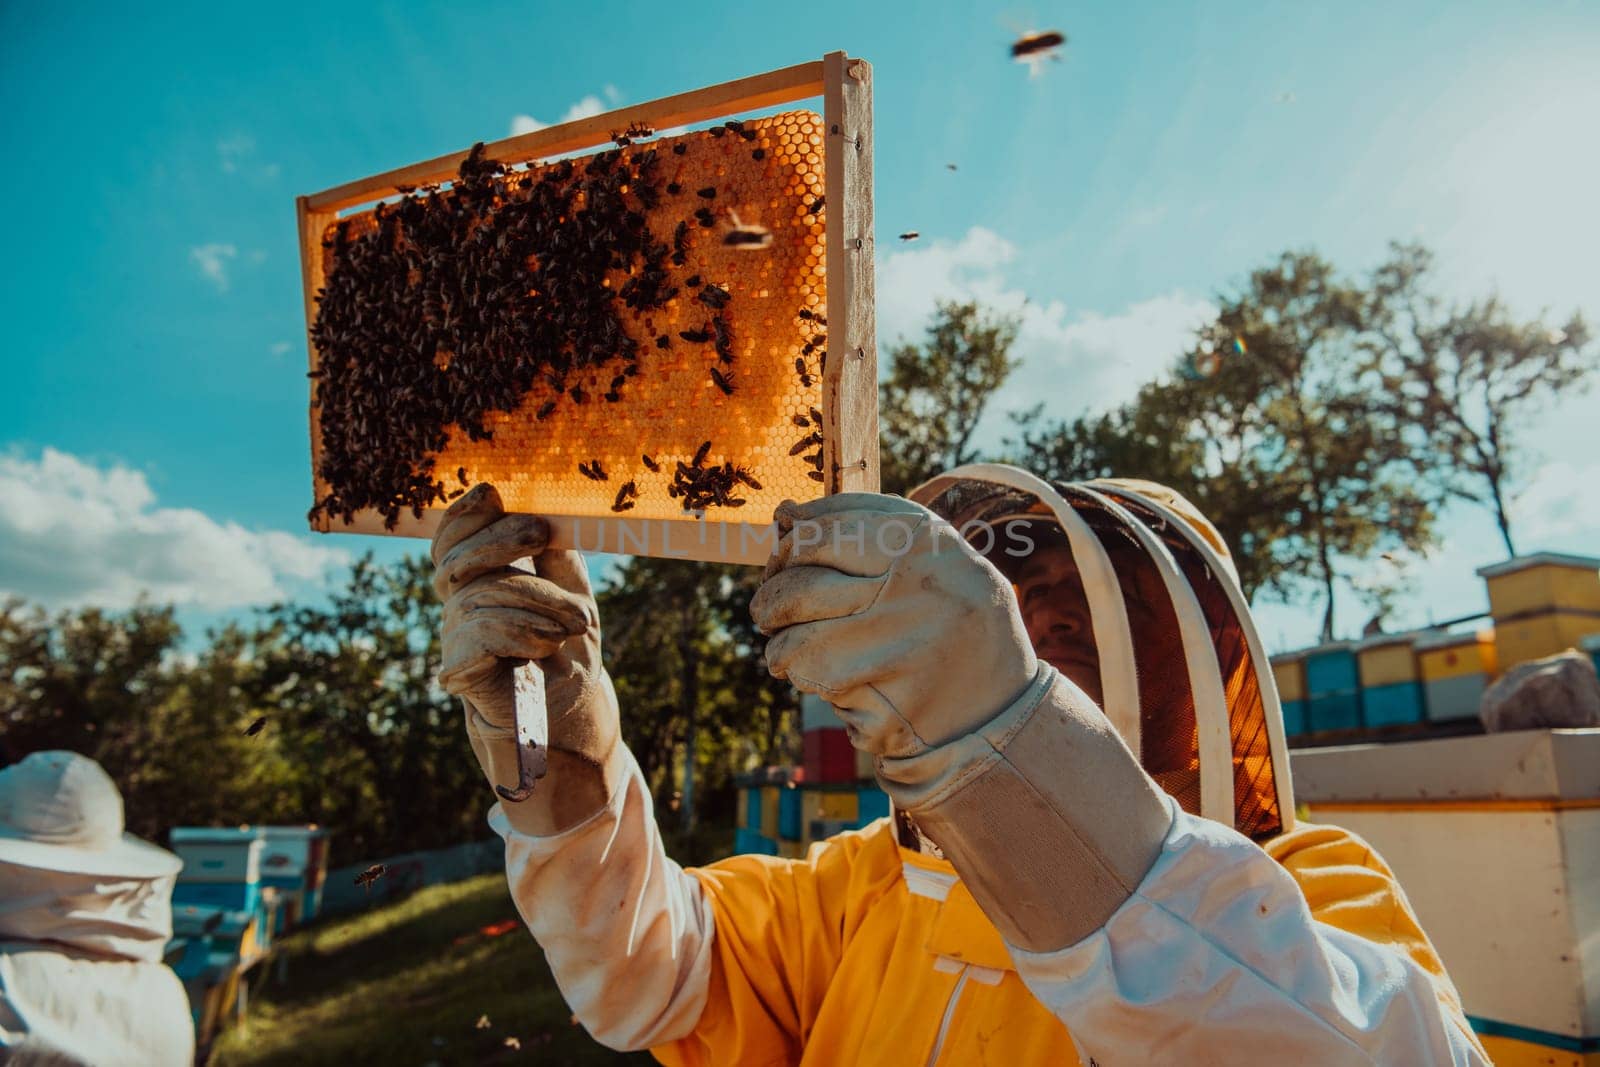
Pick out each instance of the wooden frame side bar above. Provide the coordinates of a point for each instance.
(761, 90)
(850, 383)
(312, 224)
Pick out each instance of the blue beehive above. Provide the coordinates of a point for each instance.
(747, 841)
(873, 803)
(789, 814)
(1333, 688)
(221, 868)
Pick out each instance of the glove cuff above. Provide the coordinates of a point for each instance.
(1044, 812)
(578, 781)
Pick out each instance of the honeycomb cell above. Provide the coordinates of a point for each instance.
(674, 405)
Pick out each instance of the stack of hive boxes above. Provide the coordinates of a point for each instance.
(1391, 688)
(294, 861)
(1456, 668)
(1542, 604)
(1333, 687)
(785, 810)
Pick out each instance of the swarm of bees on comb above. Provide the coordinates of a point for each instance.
(456, 317)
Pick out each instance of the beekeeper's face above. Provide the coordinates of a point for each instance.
(1055, 611)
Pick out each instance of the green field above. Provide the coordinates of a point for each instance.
(408, 984)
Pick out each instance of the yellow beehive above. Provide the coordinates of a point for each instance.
(1531, 637)
(826, 806)
(1455, 670)
(1387, 660)
(1540, 583)
(780, 319)
(1290, 674)
(1454, 655)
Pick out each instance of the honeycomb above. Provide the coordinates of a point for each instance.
(673, 405)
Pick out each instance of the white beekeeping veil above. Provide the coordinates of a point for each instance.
(1183, 675)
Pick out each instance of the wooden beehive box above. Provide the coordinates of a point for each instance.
(652, 344)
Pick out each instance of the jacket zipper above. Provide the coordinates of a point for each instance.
(949, 1014)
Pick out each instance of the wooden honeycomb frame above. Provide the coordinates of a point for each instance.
(849, 381)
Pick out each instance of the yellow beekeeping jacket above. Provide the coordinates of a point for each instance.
(866, 952)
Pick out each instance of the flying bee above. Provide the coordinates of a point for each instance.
(256, 727)
(910, 235)
(652, 464)
(483, 1022)
(371, 875)
(1036, 46)
(722, 381)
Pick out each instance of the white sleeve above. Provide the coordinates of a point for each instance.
(1217, 952)
(626, 931)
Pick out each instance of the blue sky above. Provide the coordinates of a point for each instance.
(154, 434)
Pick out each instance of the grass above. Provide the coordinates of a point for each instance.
(408, 983)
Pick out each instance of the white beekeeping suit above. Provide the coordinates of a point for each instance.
(85, 914)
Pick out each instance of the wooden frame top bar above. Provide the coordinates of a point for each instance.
(776, 87)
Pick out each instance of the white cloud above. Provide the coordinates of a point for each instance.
(76, 534)
(1072, 360)
(212, 261)
(590, 105)
(280, 348)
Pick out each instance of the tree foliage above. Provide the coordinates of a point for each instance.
(1465, 379)
(934, 394)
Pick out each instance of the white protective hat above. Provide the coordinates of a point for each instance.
(1221, 750)
(60, 811)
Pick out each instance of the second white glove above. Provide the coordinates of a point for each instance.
(882, 609)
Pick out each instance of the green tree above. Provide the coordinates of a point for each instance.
(1465, 379)
(1275, 423)
(698, 705)
(348, 690)
(935, 393)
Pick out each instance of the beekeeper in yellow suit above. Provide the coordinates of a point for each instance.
(1092, 854)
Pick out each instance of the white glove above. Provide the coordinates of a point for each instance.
(885, 611)
(917, 641)
(507, 600)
